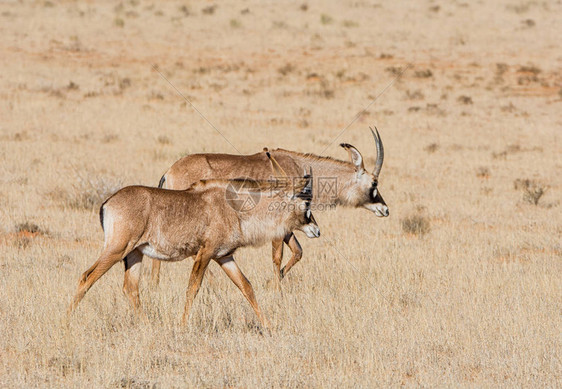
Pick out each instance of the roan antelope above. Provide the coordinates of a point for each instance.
(172, 225)
(337, 182)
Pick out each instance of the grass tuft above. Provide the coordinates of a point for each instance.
(326, 19)
(532, 190)
(415, 225)
(29, 227)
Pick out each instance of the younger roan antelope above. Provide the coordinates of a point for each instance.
(204, 220)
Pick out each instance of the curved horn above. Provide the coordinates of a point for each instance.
(380, 152)
(306, 191)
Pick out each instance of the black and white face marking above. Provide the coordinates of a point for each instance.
(310, 228)
(376, 203)
(373, 192)
(308, 213)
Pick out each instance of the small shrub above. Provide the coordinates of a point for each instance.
(184, 9)
(164, 140)
(154, 95)
(326, 91)
(109, 138)
(326, 19)
(288, 68)
(526, 80)
(483, 172)
(433, 109)
(521, 184)
(25, 232)
(119, 22)
(72, 86)
(508, 108)
(209, 10)
(350, 24)
(279, 24)
(465, 100)
(427, 73)
(415, 225)
(394, 70)
(514, 148)
(415, 95)
(28, 227)
(431, 148)
(235, 23)
(501, 68)
(520, 8)
(529, 69)
(21, 136)
(124, 83)
(532, 190)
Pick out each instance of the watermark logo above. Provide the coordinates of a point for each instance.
(239, 197)
(327, 187)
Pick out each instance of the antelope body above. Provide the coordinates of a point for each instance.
(337, 183)
(172, 225)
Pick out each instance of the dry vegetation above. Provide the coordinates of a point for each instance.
(459, 287)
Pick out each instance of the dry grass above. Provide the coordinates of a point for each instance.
(415, 225)
(475, 302)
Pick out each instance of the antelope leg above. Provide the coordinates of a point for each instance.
(155, 276)
(296, 249)
(197, 272)
(235, 274)
(133, 268)
(107, 259)
(277, 256)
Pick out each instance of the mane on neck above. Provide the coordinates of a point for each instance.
(314, 158)
(338, 176)
(249, 185)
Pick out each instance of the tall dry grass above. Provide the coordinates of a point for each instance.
(459, 287)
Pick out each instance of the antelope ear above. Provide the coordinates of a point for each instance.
(355, 156)
(277, 169)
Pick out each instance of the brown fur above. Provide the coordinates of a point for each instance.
(172, 225)
(351, 191)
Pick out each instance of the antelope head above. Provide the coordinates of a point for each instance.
(364, 192)
(300, 199)
(307, 222)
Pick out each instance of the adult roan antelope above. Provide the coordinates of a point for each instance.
(337, 182)
(205, 220)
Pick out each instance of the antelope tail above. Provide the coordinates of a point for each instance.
(162, 181)
(102, 211)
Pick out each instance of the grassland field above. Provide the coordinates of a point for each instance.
(459, 287)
